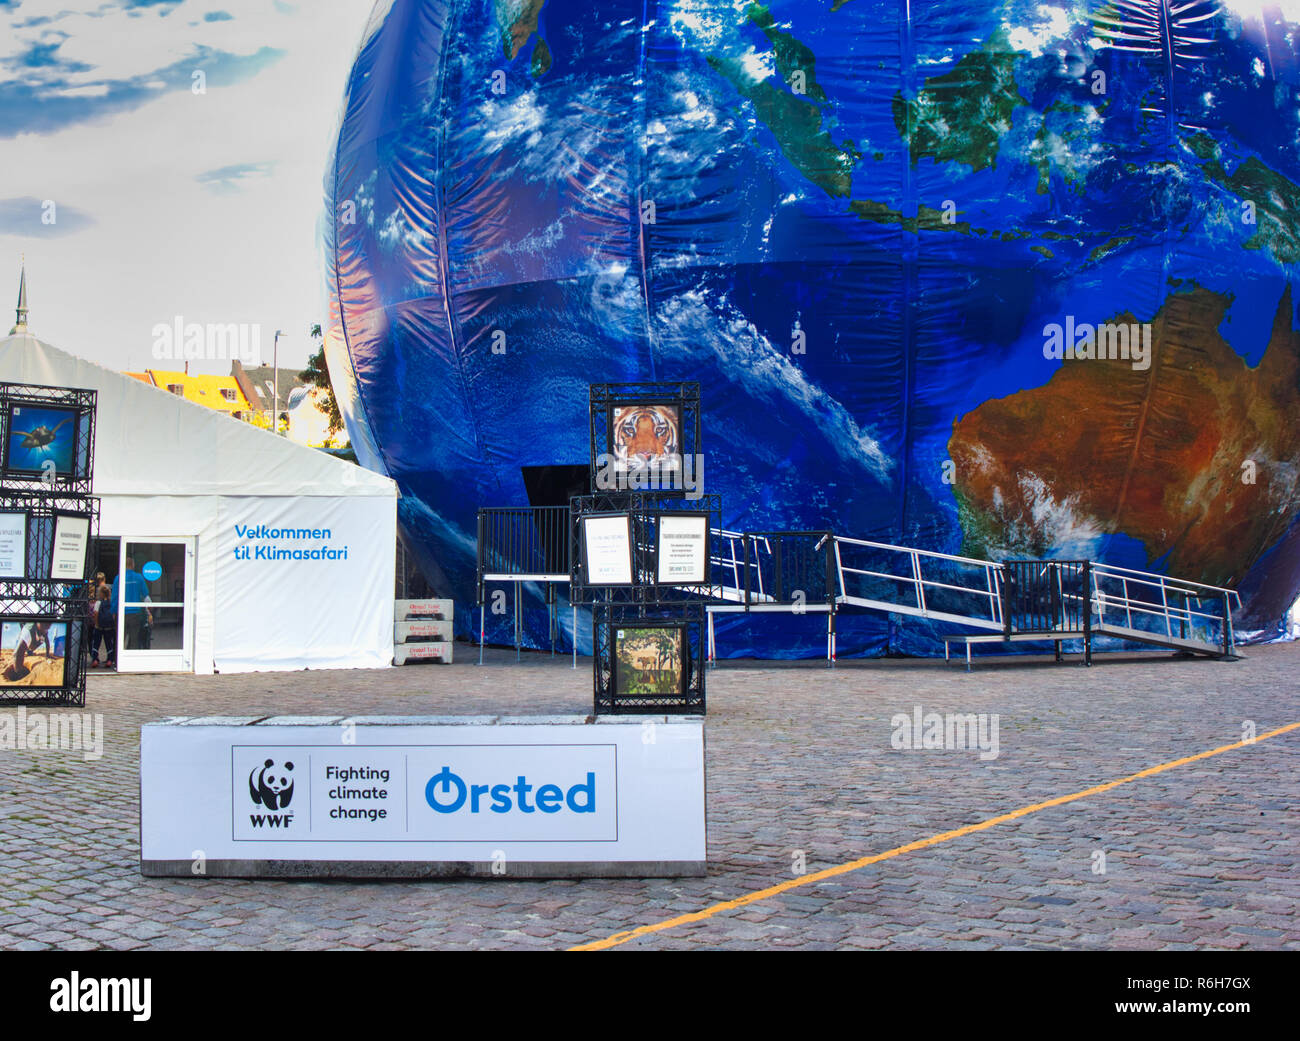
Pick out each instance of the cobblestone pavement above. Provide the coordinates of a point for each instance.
(799, 758)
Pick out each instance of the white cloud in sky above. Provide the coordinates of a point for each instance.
(199, 205)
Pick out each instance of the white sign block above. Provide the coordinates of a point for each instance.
(422, 629)
(71, 539)
(437, 650)
(607, 545)
(424, 609)
(683, 549)
(13, 545)
(412, 798)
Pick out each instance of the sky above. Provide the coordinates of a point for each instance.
(166, 201)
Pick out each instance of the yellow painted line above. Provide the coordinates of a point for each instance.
(911, 847)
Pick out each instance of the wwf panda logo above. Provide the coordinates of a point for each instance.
(270, 786)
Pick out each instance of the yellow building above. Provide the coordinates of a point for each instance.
(222, 393)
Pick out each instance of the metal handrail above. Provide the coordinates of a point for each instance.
(1151, 578)
(921, 552)
(730, 537)
(1141, 607)
(733, 562)
(912, 579)
(917, 579)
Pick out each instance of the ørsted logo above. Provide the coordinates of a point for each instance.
(447, 792)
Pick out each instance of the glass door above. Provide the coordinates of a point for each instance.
(153, 591)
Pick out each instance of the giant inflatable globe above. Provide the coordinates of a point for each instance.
(998, 279)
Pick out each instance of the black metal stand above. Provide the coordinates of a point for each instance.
(627, 417)
(44, 486)
(672, 610)
(645, 468)
(677, 628)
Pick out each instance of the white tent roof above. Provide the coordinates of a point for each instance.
(151, 442)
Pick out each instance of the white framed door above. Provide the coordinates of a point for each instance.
(155, 587)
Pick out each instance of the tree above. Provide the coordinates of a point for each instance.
(317, 374)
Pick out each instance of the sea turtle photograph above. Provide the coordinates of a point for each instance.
(39, 437)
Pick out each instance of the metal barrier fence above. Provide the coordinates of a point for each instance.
(518, 545)
(1044, 596)
(528, 543)
(789, 567)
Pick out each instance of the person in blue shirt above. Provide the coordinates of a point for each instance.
(137, 615)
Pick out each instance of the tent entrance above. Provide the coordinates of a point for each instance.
(155, 587)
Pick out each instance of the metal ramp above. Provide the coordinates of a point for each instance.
(919, 582)
(818, 572)
(1163, 611)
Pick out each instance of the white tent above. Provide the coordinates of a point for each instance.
(290, 553)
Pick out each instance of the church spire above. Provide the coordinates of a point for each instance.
(20, 314)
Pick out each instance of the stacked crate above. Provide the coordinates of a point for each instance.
(422, 631)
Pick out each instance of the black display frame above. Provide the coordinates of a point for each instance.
(615, 638)
(37, 595)
(28, 691)
(603, 398)
(658, 518)
(26, 513)
(627, 516)
(645, 508)
(607, 618)
(54, 542)
(38, 473)
(35, 395)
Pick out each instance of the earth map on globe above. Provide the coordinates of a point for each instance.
(859, 226)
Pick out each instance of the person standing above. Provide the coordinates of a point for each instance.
(136, 616)
(105, 629)
(92, 616)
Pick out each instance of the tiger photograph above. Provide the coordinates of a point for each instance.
(644, 436)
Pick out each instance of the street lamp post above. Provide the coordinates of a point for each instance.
(275, 382)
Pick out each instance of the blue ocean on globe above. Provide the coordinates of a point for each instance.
(872, 232)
